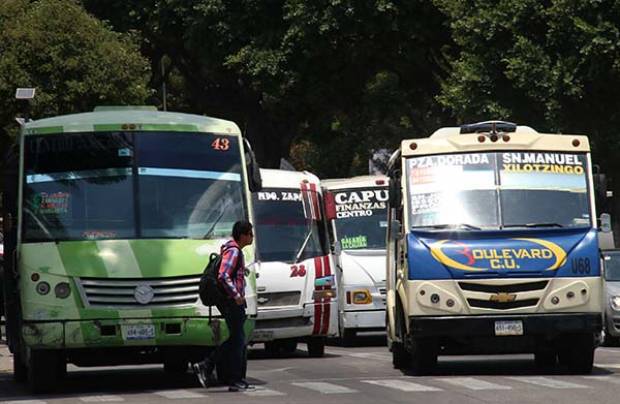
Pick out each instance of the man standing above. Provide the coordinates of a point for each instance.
(231, 278)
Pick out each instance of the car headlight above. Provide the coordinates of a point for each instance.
(614, 301)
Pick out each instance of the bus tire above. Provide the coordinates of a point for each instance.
(401, 359)
(423, 356)
(577, 354)
(347, 336)
(316, 347)
(175, 366)
(288, 346)
(43, 370)
(20, 370)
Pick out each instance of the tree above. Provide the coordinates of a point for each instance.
(335, 75)
(73, 60)
(553, 65)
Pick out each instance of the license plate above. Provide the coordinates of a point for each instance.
(262, 335)
(138, 331)
(509, 327)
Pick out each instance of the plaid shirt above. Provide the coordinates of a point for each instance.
(232, 259)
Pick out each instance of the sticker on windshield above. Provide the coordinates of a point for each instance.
(279, 196)
(360, 241)
(124, 152)
(551, 163)
(54, 203)
(363, 202)
(98, 234)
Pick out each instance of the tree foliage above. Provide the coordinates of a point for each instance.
(339, 76)
(73, 60)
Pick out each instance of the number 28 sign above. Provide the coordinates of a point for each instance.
(298, 271)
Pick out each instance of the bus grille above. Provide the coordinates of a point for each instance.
(140, 293)
(494, 296)
(278, 299)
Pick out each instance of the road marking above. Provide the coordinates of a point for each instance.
(610, 379)
(263, 392)
(179, 394)
(24, 402)
(608, 365)
(401, 385)
(325, 388)
(102, 399)
(547, 382)
(367, 355)
(474, 384)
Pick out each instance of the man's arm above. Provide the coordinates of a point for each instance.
(230, 257)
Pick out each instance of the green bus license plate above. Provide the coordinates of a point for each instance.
(138, 331)
(512, 327)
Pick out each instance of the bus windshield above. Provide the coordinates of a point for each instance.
(131, 185)
(361, 217)
(283, 230)
(498, 190)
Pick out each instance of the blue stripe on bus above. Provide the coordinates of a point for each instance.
(176, 172)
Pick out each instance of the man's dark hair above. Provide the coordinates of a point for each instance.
(241, 227)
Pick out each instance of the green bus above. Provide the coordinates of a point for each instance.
(109, 219)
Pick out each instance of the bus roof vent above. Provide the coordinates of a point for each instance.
(106, 108)
(489, 127)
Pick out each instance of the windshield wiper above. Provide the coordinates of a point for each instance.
(550, 224)
(215, 222)
(303, 246)
(448, 226)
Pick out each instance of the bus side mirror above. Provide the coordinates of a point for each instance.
(255, 182)
(330, 205)
(605, 223)
(395, 230)
(394, 189)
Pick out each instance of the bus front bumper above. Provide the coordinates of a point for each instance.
(549, 325)
(70, 334)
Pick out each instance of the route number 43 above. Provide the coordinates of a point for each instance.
(220, 144)
(298, 270)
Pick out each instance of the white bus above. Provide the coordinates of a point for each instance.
(297, 282)
(360, 226)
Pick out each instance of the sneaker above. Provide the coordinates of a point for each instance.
(247, 385)
(199, 371)
(239, 386)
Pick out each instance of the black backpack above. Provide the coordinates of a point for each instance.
(209, 289)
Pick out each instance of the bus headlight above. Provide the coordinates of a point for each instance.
(62, 290)
(615, 303)
(43, 288)
(361, 296)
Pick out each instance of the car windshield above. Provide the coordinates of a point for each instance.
(131, 185)
(361, 217)
(612, 267)
(285, 230)
(498, 190)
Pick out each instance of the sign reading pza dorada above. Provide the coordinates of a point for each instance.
(360, 202)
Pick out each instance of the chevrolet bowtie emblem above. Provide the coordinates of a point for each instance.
(503, 297)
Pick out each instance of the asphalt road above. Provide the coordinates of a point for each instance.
(361, 374)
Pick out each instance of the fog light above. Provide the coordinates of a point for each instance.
(62, 290)
(434, 298)
(555, 300)
(450, 303)
(43, 288)
(615, 303)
